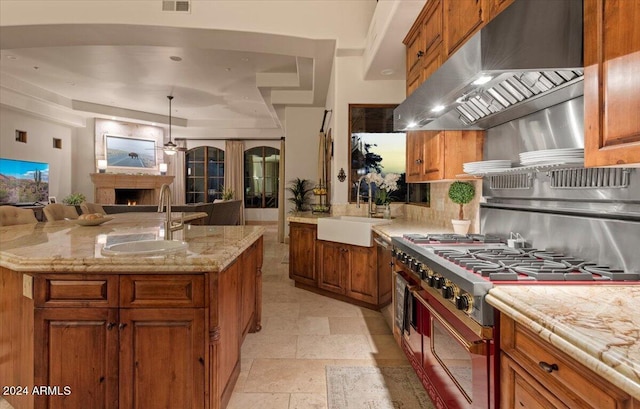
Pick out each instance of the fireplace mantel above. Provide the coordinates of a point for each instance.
(105, 185)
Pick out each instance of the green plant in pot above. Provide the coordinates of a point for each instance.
(461, 193)
(300, 189)
(227, 194)
(74, 199)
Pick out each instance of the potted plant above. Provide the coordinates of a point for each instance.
(227, 194)
(461, 193)
(300, 189)
(74, 199)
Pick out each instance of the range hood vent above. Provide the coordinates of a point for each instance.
(528, 58)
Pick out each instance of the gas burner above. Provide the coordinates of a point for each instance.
(447, 238)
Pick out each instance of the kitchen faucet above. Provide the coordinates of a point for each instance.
(165, 200)
(371, 212)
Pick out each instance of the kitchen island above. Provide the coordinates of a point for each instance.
(81, 330)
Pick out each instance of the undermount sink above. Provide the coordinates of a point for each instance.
(348, 229)
(144, 248)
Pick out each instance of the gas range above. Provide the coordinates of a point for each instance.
(462, 269)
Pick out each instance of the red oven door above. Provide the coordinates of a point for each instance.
(412, 333)
(456, 362)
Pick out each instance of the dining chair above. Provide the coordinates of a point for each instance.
(57, 211)
(11, 215)
(88, 208)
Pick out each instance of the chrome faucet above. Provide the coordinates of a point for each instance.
(165, 200)
(371, 212)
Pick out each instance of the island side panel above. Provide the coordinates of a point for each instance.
(16, 340)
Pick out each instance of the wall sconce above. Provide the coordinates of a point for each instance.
(341, 175)
(102, 165)
(163, 168)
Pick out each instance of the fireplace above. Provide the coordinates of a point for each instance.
(115, 188)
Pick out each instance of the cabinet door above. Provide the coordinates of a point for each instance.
(415, 160)
(77, 347)
(460, 147)
(611, 82)
(432, 26)
(462, 18)
(228, 319)
(302, 239)
(433, 155)
(248, 288)
(333, 263)
(161, 358)
(432, 62)
(362, 279)
(415, 50)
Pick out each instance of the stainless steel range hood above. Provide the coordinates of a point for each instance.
(530, 57)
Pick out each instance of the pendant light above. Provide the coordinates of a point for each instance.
(170, 148)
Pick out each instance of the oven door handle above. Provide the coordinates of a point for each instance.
(473, 347)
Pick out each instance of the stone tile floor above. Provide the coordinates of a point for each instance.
(283, 366)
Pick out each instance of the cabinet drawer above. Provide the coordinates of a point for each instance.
(162, 291)
(571, 382)
(75, 290)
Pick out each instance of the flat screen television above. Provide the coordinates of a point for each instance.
(23, 182)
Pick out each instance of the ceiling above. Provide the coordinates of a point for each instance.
(222, 81)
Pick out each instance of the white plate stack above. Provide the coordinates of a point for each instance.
(486, 166)
(552, 157)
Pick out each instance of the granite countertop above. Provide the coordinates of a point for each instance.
(397, 226)
(65, 246)
(597, 325)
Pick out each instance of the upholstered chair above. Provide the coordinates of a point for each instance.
(88, 208)
(57, 211)
(11, 215)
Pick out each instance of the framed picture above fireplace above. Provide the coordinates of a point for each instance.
(127, 152)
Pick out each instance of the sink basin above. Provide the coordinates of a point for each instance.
(348, 229)
(144, 248)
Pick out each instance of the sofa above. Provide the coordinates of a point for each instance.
(220, 213)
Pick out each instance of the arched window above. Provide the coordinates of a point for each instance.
(205, 174)
(261, 170)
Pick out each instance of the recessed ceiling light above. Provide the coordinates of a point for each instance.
(387, 71)
(113, 118)
(12, 57)
(35, 67)
(411, 125)
(153, 124)
(227, 69)
(175, 58)
(482, 80)
(437, 108)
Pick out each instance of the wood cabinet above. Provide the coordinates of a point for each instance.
(347, 269)
(343, 271)
(439, 155)
(440, 29)
(462, 18)
(302, 243)
(535, 374)
(424, 45)
(129, 340)
(612, 82)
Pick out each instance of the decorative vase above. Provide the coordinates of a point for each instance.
(460, 226)
(387, 211)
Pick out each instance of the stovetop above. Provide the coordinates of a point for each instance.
(488, 257)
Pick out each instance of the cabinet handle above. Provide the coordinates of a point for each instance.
(418, 161)
(548, 367)
(419, 54)
(110, 325)
(201, 360)
(122, 326)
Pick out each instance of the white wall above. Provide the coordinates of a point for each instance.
(351, 88)
(83, 159)
(39, 147)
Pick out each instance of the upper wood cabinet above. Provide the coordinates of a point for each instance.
(462, 18)
(424, 45)
(439, 155)
(612, 82)
(440, 29)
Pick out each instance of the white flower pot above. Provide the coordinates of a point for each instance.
(460, 226)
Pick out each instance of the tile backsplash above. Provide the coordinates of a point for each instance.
(439, 213)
